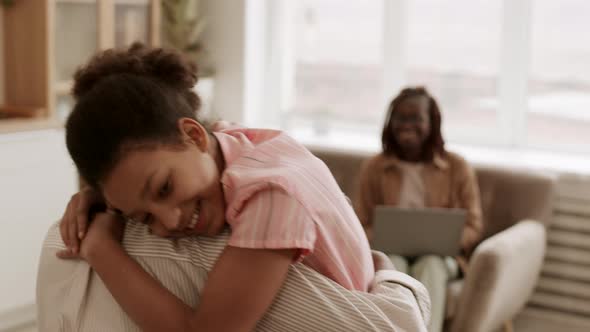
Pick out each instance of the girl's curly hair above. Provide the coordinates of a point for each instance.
(127, 98)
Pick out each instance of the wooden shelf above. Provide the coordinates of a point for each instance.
(76, 1)
(30, 36)
(132, 2)
(21, 124)
(9, 111)
(117, 2)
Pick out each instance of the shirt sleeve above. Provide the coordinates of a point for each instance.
(273, 219)
(391, 282)
(310, 302)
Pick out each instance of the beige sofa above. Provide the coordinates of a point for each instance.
(517, 206)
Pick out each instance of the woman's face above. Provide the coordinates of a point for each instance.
(176, 191)
(410, 123)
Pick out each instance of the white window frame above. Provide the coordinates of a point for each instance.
(275, 89)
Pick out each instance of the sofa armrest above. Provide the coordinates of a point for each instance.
(502, 275)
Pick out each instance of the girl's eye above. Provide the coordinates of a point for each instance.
(165, 190)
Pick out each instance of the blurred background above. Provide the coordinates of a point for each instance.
(512, 73)
(512, 79)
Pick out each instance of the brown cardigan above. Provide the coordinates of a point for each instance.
(449, 182)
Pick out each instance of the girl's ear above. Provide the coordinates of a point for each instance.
(192, 131)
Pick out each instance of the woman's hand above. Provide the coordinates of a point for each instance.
(74, 222)
(105, 229)
(381, 261)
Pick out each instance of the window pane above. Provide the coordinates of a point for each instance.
(338, 62)
(454, 50)
(559, 85)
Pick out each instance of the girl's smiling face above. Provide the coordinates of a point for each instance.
(176, 190)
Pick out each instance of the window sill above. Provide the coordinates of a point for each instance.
(369, 144)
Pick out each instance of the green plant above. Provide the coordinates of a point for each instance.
(183, 27)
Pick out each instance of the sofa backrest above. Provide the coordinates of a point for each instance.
(511, 195)
(507, 195)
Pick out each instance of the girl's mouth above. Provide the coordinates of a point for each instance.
(195, 217)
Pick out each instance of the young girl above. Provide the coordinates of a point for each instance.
(135, 140)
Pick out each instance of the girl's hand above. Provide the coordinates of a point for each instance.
(104, 229)
(75, 220)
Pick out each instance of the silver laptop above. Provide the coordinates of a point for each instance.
(416, 232)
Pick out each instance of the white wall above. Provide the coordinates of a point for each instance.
(37, 179)
(224, 38)
(236, 39)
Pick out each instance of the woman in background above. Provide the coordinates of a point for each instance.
(415, 171)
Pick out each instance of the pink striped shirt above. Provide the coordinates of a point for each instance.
(279, 196)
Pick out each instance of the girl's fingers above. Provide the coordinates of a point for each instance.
(64, 225)
(67, 254)
(87, 199)
(73, 226)
(82, 217)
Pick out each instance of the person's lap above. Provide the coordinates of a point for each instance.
(433, 272)
(408, 265)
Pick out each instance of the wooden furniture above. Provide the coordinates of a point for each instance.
(45, 41)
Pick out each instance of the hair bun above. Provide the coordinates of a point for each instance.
(165, 66)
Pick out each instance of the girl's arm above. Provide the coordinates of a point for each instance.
(239, 289)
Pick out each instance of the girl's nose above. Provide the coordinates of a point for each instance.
(170, 219)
